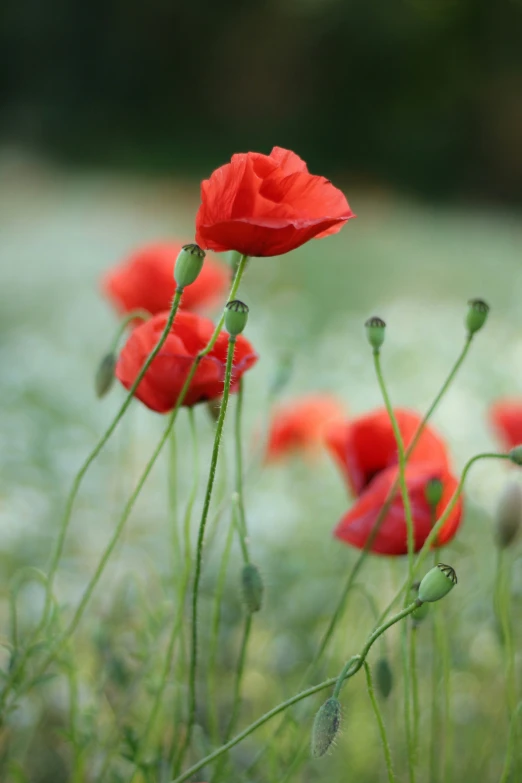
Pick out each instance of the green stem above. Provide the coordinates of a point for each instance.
(436, 737)
(512, 741)
(242, 529)
(407, 704)
(239, 676)
(199, 546)
(173, 503)
(502, 604)
(380, 723)
(143, 315)
(414, 691)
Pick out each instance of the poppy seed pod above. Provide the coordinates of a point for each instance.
(515, 455)
(383, 677)
(326, 727)
(509, 515)
(375, 330)
(104, 377)
(236, 317)
(188, 265)
(477, 315)
(252, 587)
(437, 583)
(434, 491)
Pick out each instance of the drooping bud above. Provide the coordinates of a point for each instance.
(515, 455)
(509, 515)
(437, 583)
(213, 408)
(188, 265)
(252, 587)
(236, 317)
(433, 492)
(383, 677)
(375, 329)
(326, 727)
(477, 315)
(104, 377)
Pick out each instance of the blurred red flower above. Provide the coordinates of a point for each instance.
(391, 538)
(365, 446)
(163, 381)
(266, 205)
(146, 281)
(299, 425)
(506, 417)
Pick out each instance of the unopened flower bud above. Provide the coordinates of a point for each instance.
(188, 265)
(509, 515)
(437, 583)
(104, 377)
(375, 329)
(515, 455)
(252, 587)
(477, 315)
(326, 727)
(433, 492)
(236, 317)
(383, 677)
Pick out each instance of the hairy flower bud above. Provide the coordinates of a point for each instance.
(437, 583)
(477, 315)
(252, 587)
(433, 492)
(188, 265)
(375, 330)
(515, 455)
(383, 677)
(236, 317)
(326, 727)
(509, 515)
(104, 377)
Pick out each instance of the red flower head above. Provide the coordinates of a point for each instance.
(146, 281)
(391, 538)
(163, 381)
(300, 425)
(266, 205)
(366, 446)
(506, 418)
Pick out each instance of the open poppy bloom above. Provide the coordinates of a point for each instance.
(266, 205)
(366, 446)
(163, 381)
(390, 536)
(300, 425)
(145, 281)
(506, 417)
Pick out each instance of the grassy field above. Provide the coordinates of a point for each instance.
(416, 266)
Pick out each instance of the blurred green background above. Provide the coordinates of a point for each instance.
(110, 114)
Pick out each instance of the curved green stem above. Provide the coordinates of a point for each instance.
(407, 704)
(239, 677)
(414, 691)
(242, 529)
(380, 723)
(513, 731)
(143, 315)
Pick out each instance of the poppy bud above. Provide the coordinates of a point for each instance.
(383, 677)
(104, 377)
(437, 583)
(515, 455)
(509, 515)
(375, 328)
(252, 586)
(326, 726)
(477, 314)
(188, 265)
(433, 492)
(236, 317)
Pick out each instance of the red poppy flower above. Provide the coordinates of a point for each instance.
(366, 446)
(163, 381)
(266, 205)
(300, 424)
(146, 281)
(392, 538)
(506, 418)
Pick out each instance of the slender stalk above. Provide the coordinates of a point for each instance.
(407, 704)
(173, 503)
(380, 723)
(436, 738)
(239, 677)
(513, 731)
(503, 609)
(242, 529)
(414, 691)
(142, 315)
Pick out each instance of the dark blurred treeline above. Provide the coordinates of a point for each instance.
(424, 95)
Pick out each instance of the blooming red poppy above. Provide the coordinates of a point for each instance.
(146, 281)
(163, 381)
(366, 445)
(266, 205)
(391, 537)
(300, 425)
(506, 417)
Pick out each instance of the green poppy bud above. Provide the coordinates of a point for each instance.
(383, 677)
(509, 515)
(477, 315)
(433, 492)
(236, 317)
(437, 583)
(375, 329)
(104, 377)
(188, 265)
(515, 455)
(326, 727)
(252, 587)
